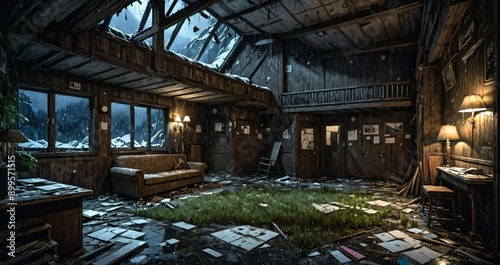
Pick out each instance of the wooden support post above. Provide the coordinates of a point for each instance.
(158, 38)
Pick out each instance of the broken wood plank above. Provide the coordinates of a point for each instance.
(397, 179)
(118, 255)
(279, 230)
(351, 253)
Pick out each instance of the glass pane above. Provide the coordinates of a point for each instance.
(192, 35)
(120, 125)
(127, 20)
(72, 122)
(157, 128)
(307, 138)
(34, 106)
(140, 127)
(216, 53)
(167, 33)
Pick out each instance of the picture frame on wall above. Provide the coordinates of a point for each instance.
(489, 55)
(393, 128)
(448, 74)
(370, 129)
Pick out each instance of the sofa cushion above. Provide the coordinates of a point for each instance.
(173, 175)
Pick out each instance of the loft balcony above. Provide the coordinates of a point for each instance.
(388, 96)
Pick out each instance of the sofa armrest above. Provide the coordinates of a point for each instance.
(197, 165)
(125, 172)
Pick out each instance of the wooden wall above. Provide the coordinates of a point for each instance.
(92, 167)
(477, 146)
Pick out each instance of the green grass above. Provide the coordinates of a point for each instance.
(291, 210)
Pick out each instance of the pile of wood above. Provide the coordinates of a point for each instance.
(411, 186)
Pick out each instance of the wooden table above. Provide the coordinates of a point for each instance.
(57, 204)
(467, 182)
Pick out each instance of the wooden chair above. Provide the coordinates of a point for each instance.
(267, 163)
(435, 193)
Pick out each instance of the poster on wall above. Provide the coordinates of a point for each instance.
(370, 129)
(307, 138)
(393, 128)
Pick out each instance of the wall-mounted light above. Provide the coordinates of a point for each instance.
(448, 132)
(186, 120)
(472, 103)
(178, 122)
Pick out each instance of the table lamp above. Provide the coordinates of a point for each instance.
(8, 136)
(448, 132)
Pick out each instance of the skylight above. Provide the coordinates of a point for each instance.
(200, 37)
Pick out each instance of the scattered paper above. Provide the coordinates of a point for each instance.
(313, 254)
(422, 255)
(379, 203)
(407, 210)
(92, 213)
(184, 225)
(415, 230)
(133, 234)
(395, 245)
(384, 237)
(212, 252)
(340, 256)
(398, 234)
(246, 237)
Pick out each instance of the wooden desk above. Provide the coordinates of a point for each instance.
(467, 182)
(59, 205)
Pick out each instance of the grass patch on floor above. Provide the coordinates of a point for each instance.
(291, 210)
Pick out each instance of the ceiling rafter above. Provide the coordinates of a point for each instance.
(249, 10)
(174, 18)
(379, 46)
(348, 20)
(94, 11)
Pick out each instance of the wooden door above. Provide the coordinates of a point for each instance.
(332, 152)
(217, 155)
(244, 148)
(308, 150)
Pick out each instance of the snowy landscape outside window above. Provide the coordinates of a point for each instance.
(72, 122)
(72, 118)
(34, 106)
(128, 19)
(148, 127)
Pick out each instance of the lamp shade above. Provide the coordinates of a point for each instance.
(448, 132)
(186, 119)
(13, 136)
(178, 118)
(472, 103)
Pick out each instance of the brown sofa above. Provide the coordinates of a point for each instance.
(145, 175)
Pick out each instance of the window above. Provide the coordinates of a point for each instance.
(71, 121)
(137, 127)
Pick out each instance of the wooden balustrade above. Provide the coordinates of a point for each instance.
(362, 94)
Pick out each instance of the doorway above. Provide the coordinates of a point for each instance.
(332, 152)
(308, 146)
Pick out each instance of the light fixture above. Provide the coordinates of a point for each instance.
(11, 136)
(448, 132)
(178, 122)
(472, 103)
(186, 120)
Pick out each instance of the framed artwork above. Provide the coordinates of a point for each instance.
(448, 74)
(466, 37)
(489, 55)
(370, 129)
(393, 128)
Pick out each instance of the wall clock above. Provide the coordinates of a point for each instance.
(215, 110)
(104, 109)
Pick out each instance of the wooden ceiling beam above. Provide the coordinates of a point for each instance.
(94, 11)
(360, 17)
(174, 19)
(249, 10)
(380, 46)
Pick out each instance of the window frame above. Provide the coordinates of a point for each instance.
(51, 149)
(148, 107)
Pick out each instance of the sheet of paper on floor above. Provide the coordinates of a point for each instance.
(184, 225)
(114, 208)
(104, 234)
(140, 221)
(122, 240)
(133, 234)
(340, 256)
(384, 236)
(313, 254)
(172, 241)
(395, 245)
(415, 230)
(398, 234)
(107, 204)
(326, 208)
(92, 213)
(422, 255)
(212, 252)
(379, 203)
(246, 243)
(407, 210)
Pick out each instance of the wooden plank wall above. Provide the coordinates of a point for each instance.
(476, 142)
(92, 168)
